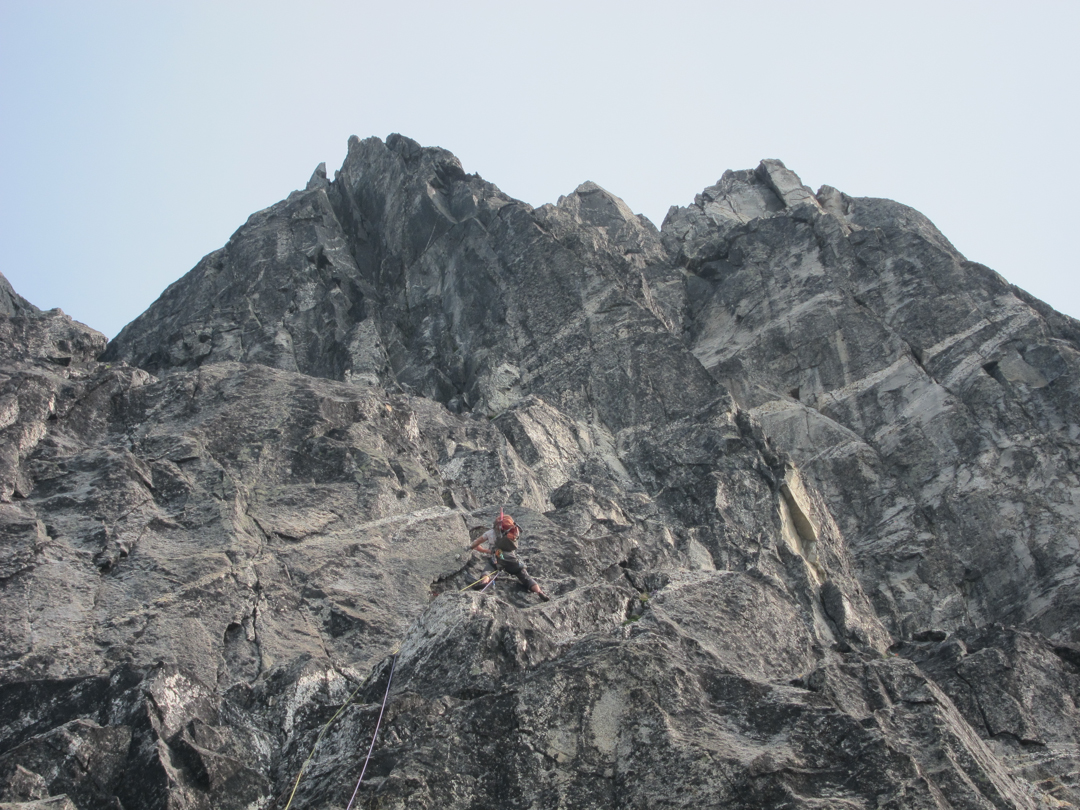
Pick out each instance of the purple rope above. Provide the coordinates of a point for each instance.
(492, 582)
(378, 723)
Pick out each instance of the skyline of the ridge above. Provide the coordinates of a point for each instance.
(139, 139)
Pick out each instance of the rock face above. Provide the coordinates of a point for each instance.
(923, 391)
(798, 477)
(11, 303)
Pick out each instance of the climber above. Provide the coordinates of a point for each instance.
(503, 539)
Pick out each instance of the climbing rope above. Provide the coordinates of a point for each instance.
(492, 582)
(378, 723)
(484, 577)
(316, 744)
(324, 730)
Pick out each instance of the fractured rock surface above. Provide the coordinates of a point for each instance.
(797, 476)
(932, 403)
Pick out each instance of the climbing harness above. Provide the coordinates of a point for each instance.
(390, 680)
(329, 722)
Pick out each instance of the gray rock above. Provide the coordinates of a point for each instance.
(11, 303)
(218, 541)
(930, 401)
(1019, 692)
(51, 803)
(45, 371)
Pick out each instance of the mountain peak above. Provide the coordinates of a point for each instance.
(795, 474)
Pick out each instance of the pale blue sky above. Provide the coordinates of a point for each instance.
(135, 137)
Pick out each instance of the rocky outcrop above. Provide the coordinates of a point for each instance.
(1018, 691)
(226, 539)
(43, 374)
(931, 402)
(11, 303)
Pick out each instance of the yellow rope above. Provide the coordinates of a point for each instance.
(303, 767)
(485, 578)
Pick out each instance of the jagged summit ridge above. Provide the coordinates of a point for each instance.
(752, 454)
(366, 297)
